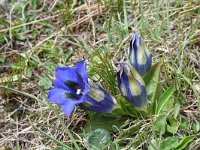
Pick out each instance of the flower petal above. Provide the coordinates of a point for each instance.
(67, 74)
(71, 87)
(60, 84)
(81, 68)
(98, 100)
(57, 95)
(139, 55)
(68, 107)
(131, 85)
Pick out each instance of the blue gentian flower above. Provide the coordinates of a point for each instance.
(98, 100)
(71, 88)
(131, 85)
(139, 55)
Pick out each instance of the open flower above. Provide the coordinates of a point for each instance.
(71, 88)
(139, 55)
(98, 100)
(131, 85)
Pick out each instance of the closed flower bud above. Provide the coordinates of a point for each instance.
(139, 55)
(131, 85)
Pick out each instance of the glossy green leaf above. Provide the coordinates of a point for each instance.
(172, 125)
(163, 99)
(169, 105)
(169, 143)
(151, 80)
(98, 139)
(176, 110)
(196, 126)
(184, 124)
(184, 142)
(160, 124)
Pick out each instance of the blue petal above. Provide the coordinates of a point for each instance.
(98, 102)
(142, 69)
(136, 100)
(139, 56)
(60, 84)
(68, 107)
(86, 89)
(124, 82)
(140, 100)
(57, 95)
(67, 74)
(81, 69)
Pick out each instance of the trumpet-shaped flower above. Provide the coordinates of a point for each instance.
(71, 88)
(139, 55)
(131, 85)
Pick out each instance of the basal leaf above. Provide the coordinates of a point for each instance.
(172, 125)
(151, 80)
(98, 139)
(169, 143)
(160, 124)
(184, 142)
(103, 121)
(163, 99)
(196, 126)
(176, 110)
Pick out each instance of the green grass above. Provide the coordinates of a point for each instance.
(36, 36)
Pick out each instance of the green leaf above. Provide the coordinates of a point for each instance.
(45, 82)
(184, 124)
(152, 145)
(2, 37)
(176, 110)
(196, 126)
(184, 142)
(4, 22)
(128, 109)
(2, 59)
(103, 121)
(172, 125)
(29, 72)
(160, 124)
(151, 80)
(163, 99)
(21, 36)
(98, 139)
(169, 143)
(169, 105)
